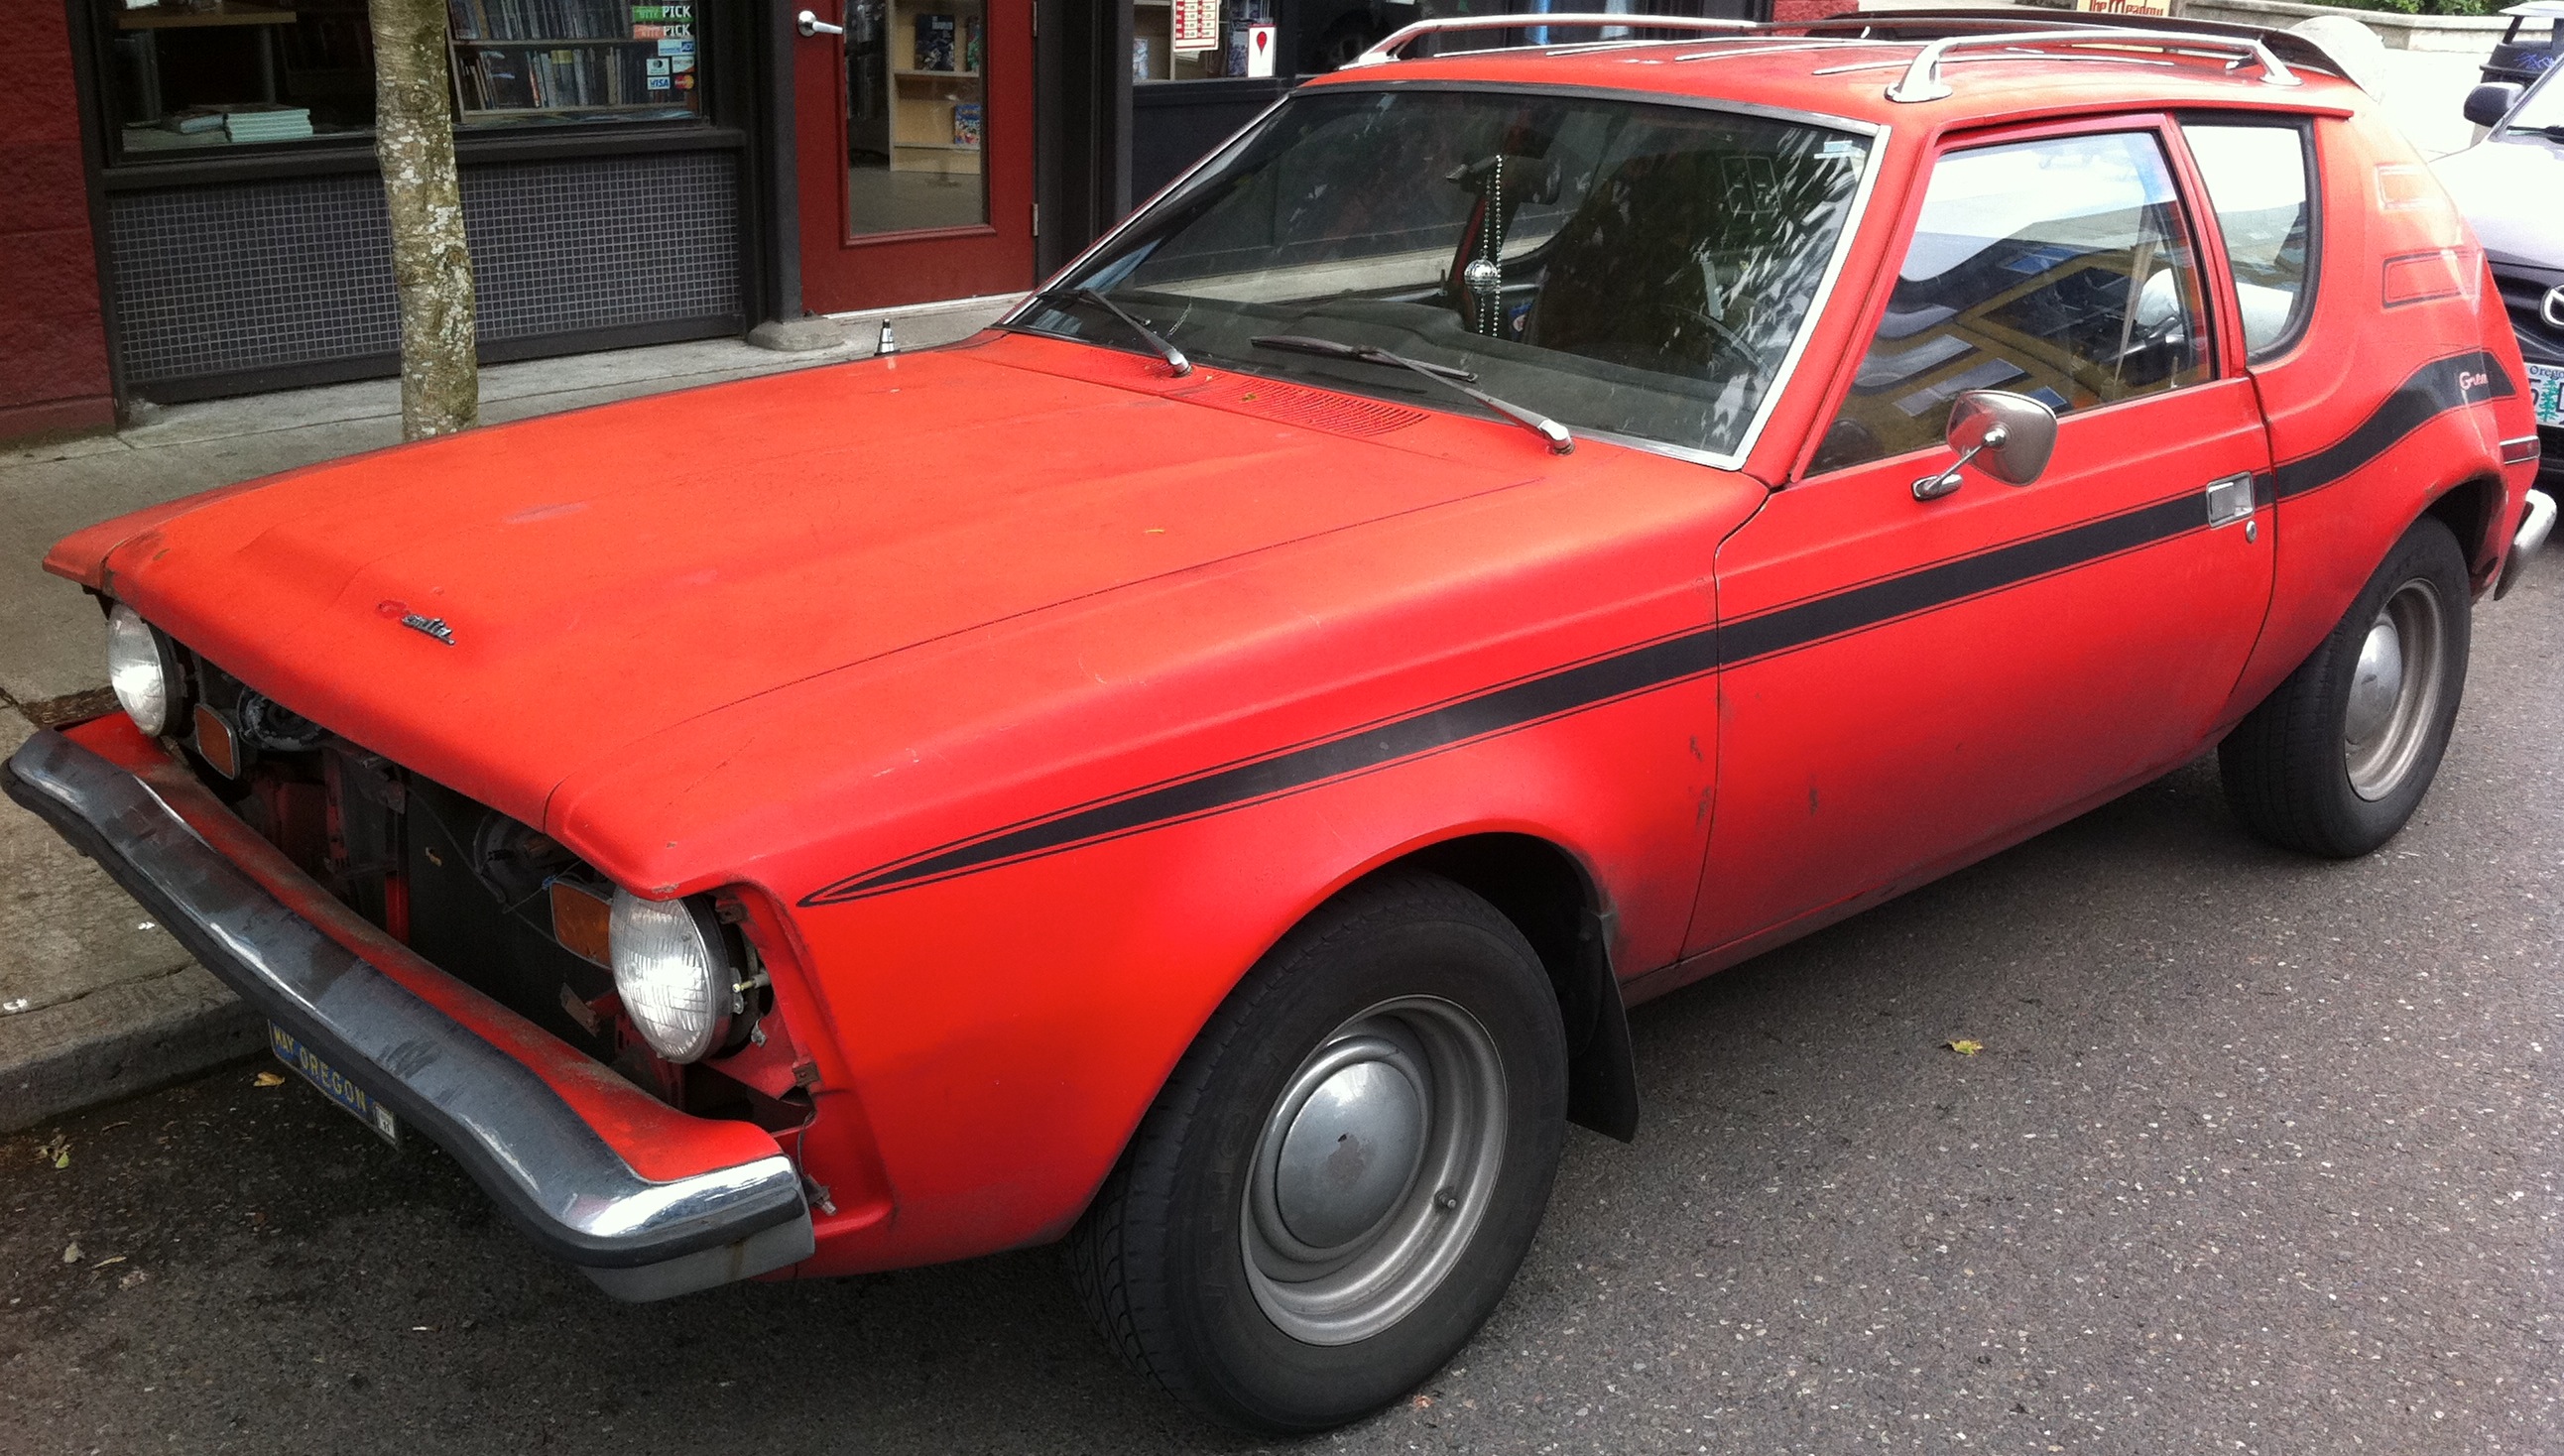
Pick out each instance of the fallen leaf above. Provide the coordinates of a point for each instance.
(109, 1259)
(71, 1253)
(58, 1152)
(1965, 1047)
(268, 1079)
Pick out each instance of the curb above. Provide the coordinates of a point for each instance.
(118, 1041)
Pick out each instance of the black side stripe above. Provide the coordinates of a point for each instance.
(1519, 705)
(1785, 629)
(2434, 389)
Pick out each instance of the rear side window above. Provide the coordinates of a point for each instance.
(2059, 269)
(2261, 183)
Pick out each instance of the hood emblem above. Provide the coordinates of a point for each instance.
(2553, 307)
(433, 626)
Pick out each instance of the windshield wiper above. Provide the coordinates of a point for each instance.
(1174, 357)
(1560, 442)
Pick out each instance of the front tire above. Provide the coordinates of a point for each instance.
(2338, 757)
(1340, 1178)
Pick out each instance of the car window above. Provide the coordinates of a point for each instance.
(2257, 183)
(2058, 269)
(1633, 269)
(2542, 108)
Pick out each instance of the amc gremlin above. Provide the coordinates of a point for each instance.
(1198, 771)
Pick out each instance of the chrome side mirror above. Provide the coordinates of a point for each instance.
(2488, 104)
(2009, 436)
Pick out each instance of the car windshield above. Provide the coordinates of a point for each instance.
(2543, 107)
(1638, 270)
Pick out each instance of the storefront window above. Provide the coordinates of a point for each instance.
(1203, 40)
(523, 62)
(187, 76)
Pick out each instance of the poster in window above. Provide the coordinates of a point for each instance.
(1196, 25)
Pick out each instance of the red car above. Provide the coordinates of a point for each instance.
(1198, 770)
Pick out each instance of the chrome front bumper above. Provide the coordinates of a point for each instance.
(2535, 524)
(538, 1157)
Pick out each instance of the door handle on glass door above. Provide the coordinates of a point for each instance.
(810, 24)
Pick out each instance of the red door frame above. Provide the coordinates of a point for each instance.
(841, 272)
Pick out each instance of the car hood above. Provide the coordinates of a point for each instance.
(607, 574)
(2512, 191)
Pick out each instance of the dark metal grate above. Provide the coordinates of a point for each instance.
(217, 279)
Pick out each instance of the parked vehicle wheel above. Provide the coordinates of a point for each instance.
(2335, 761)
(1341, 1176)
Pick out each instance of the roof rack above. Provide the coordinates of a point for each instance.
(1939, 32)
(2300, 53)
(1922, 80)
(1387, 49)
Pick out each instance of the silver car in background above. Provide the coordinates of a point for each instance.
(2511, 186)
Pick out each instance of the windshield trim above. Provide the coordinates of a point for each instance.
(2501, 132)
(1782, 375)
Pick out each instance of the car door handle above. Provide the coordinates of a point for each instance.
(2229, 500)
(810, 24)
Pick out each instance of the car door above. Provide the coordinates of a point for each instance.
(1910, 682)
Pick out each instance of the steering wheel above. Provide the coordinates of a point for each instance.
(1726, 338)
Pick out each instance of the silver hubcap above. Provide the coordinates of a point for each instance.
(1373, 1169)
(2394, 691)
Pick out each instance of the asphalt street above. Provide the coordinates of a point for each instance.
(2259, 1155)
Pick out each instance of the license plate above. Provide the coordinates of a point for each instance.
(2547, 392)
(334, 1085)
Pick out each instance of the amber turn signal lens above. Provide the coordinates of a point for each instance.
(579, 920)
(215, 744)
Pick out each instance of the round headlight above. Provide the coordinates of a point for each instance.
(139, 669)
(671, 973)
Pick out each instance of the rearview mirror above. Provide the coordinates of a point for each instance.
(2488, 104)
(2008, 436)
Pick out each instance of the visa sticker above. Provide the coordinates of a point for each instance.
(657, 83)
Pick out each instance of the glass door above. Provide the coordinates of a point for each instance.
(916, 152)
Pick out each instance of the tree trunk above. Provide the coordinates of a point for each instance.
(431, 265)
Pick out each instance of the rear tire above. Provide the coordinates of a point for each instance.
(2338, 757)
(1339, 1181)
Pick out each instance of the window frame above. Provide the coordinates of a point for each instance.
(2301, 313)
(2215, 291)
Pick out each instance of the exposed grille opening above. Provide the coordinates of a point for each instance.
(470, 891)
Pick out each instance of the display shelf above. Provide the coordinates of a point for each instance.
(926, 100)
(516, 60)
(552, 43)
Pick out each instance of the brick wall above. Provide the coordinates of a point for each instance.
(53, 342)
(1786, 11)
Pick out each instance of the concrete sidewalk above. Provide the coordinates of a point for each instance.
(95, 1001)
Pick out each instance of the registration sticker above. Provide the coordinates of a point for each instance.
(292, 1051)
(2547, 392)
